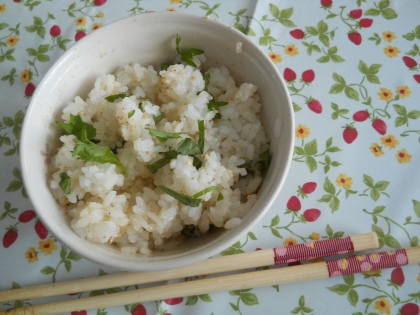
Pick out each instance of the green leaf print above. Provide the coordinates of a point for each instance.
(370, 72)
(416, 205)
(282, 16)
(10, 77)
(376, 189)
(17, 184)
(301, 307)
(340, 289)
(382, 8)
(404, 116)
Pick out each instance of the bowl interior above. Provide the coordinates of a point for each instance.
(149, 39)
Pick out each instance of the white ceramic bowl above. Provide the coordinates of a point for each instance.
(149, 39)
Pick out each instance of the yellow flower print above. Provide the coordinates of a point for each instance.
(26, 76)
(291, 50)
(170, 9)
(31, 255)
(289, 241)
(376, 149)
(344, 181)
(175, 1)
(391, 51)
(385, 94)
(12, 40)
(403, 91)
(2, 8)
(100, 15)
(302, 132)
(315, 236)
(275, 57)
(81, 21)
(95, 26)
(418, 278)
(389, 36)
(47, 246)
(403, 156)
(383, 306)
(389, 141)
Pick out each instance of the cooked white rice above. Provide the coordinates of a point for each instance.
(132, 212)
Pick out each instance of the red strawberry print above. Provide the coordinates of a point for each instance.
(311, 215)
(79, 35)
(30, 89)
(355, 38)
(410, 62)
(410, 309)
(41, 230)
(309, 187)
(361, 115)
(326, 3)
(350, 133)
(174, 301)
(289, 75)
(365, 23)
(293, 204)
(417, 78)
(139, 310)
(78, 313)
(380, 126)
(10, 236)
(297, 33)
(315, 106)
(258, 248)
(397, 276)
(26, 216)
(55, 31)
(99, 2)
(306, 189)
(356, 14)
(308, 76)
(17, 1)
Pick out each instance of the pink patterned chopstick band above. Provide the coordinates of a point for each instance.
(365, 263)
(306, 251)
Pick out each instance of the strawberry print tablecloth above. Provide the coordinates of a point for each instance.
(352, 70)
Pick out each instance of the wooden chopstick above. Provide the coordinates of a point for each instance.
(254, 259)
(254, 279)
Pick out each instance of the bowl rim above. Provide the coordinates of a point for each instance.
(181, 261)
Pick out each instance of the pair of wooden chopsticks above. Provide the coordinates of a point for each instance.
(254, 279)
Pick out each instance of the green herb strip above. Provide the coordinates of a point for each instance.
(89, 151)
(65, 183)
(131, 113)
(189, 54)
(185, 147)
(214, 105)
(264, 161)
(186, 200)
(206, 78)
(201, 135)
(188, 147)
(75, 127)
(163, 136)
(197, 162)
(209, 189)
(154, 167)
(158, 117)
(113, 98)
(164, 66)
(192, 201)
